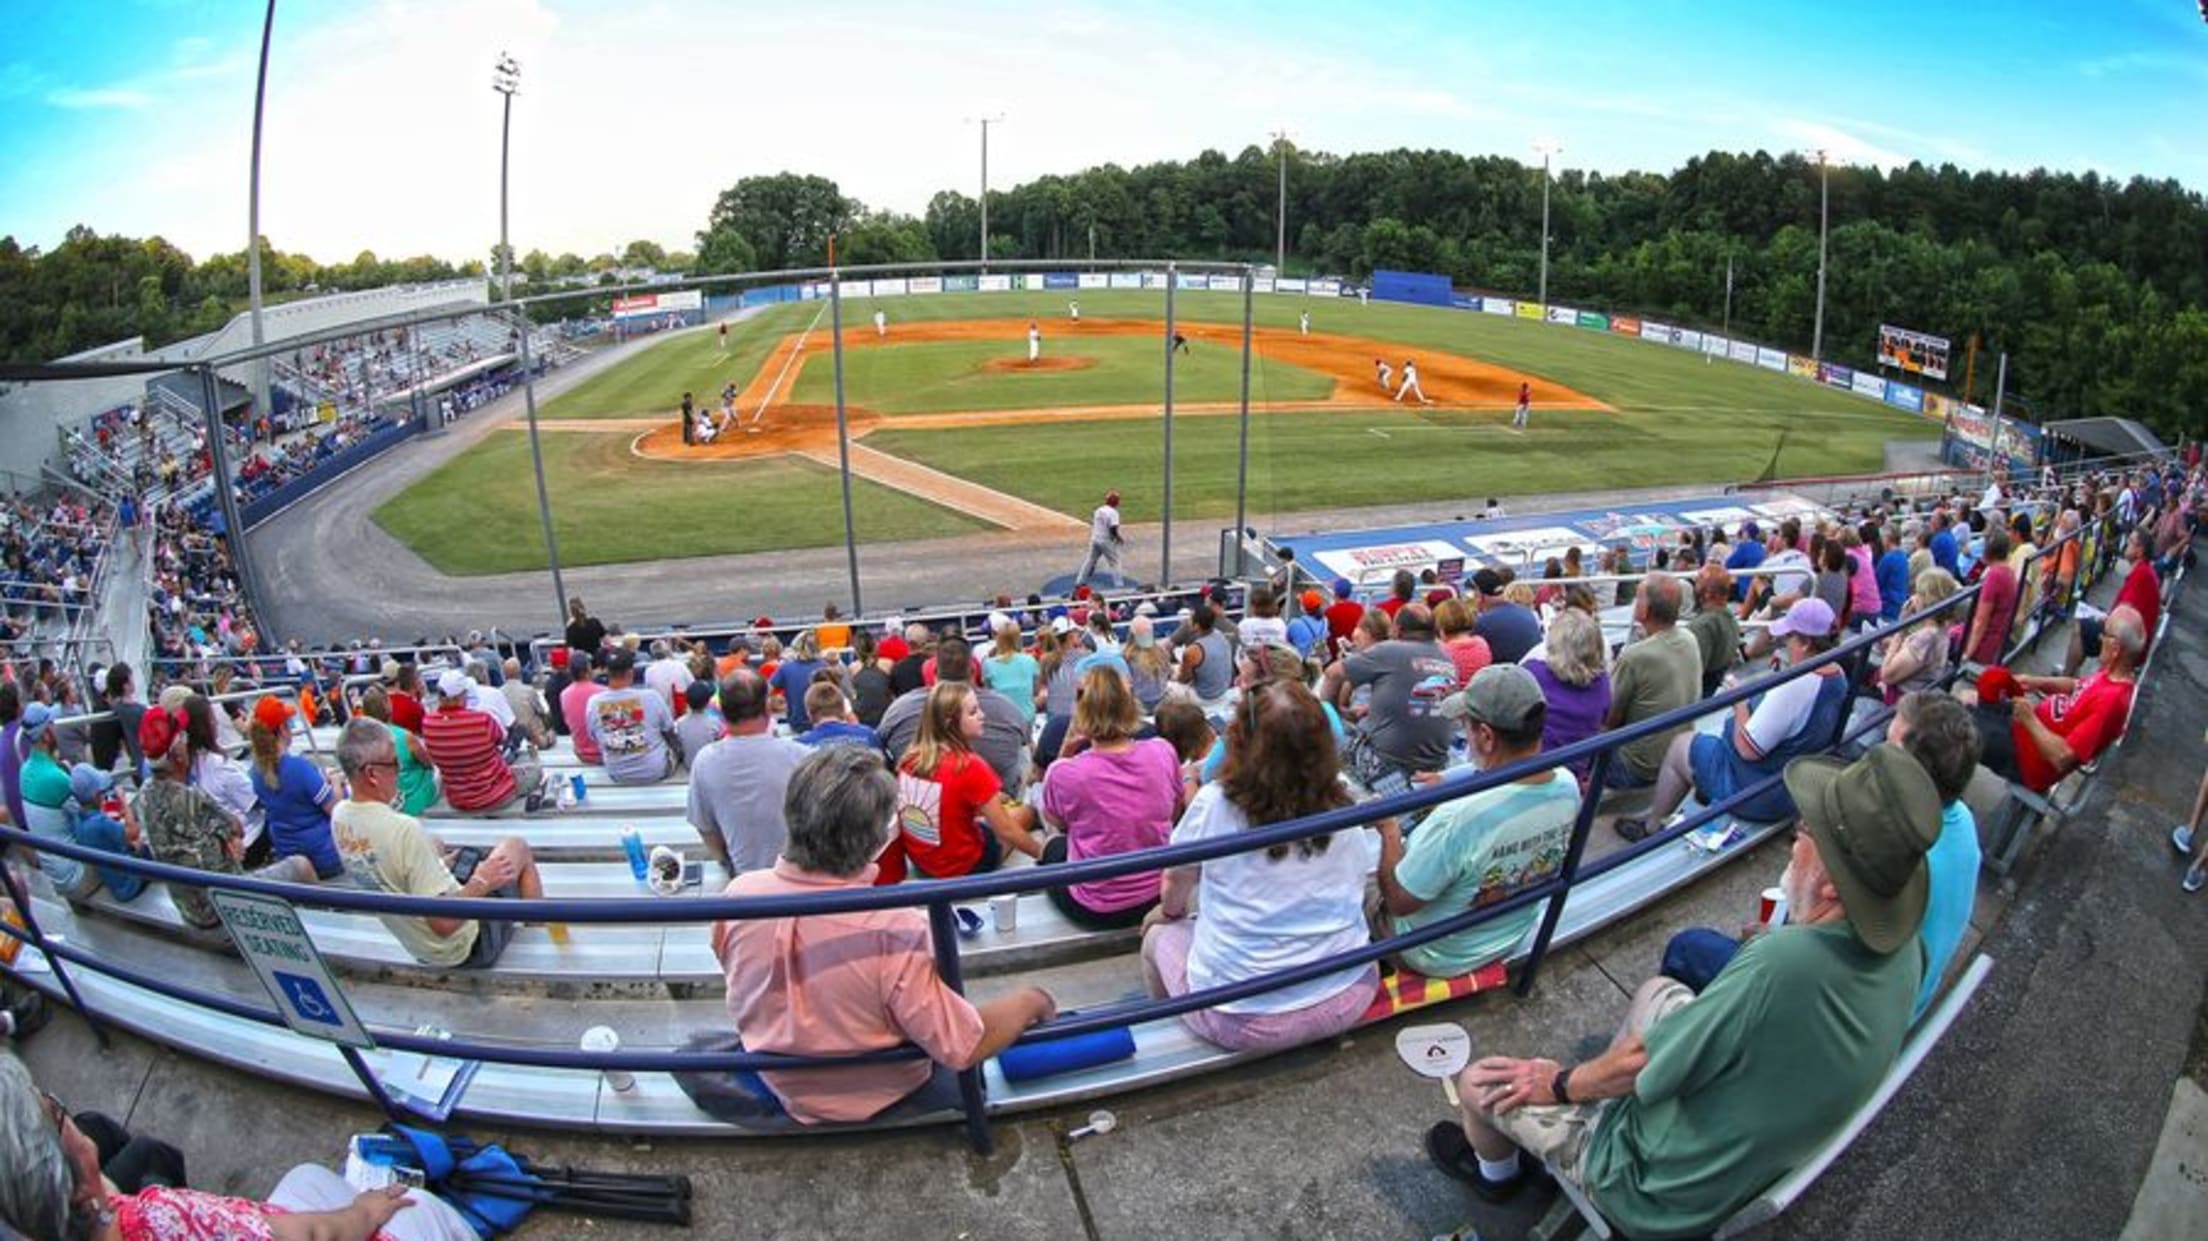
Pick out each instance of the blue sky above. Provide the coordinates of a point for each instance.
(134, 117)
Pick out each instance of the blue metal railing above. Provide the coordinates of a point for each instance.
(938, 896)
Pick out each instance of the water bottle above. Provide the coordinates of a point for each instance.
(575, 782)
(632, 844)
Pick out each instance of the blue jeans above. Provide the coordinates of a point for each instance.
(98, 831)
(1696, 957)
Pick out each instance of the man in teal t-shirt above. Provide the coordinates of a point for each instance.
(1482, 847)
(1702, 1102)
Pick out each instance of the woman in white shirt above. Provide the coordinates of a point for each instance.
(1262, 624)
(214, 773)
(1273, 909)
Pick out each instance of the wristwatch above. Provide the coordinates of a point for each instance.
(1556, 1087)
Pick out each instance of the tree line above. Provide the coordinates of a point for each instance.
(2097, 289)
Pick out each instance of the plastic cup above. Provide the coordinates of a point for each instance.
(1771, 909)
(1005, 909)
(602, 1039)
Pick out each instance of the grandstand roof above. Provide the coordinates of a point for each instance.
(234, 395)
(2119, 437)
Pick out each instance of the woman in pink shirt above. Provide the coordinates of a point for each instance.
(575, 705)
(843, 983)
(1116, 796)
(1863, 600)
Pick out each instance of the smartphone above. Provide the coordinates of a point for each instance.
(693, 874)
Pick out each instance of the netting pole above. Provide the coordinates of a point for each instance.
(536, 462)
(1165, 553)
(843, 439)
(1242, 455)
(226, 496)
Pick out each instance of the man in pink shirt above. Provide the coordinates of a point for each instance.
(840, 984)
(575, 706)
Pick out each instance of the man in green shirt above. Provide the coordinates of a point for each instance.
(1661, 672)
(1701, 1103)
(1716, 630)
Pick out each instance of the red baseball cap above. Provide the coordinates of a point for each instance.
(273, 713)
(559, 657)
(893, 647)
(158, 729)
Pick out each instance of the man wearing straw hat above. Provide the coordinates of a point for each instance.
(1702, 1102)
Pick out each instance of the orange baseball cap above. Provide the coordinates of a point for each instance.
(273, 713)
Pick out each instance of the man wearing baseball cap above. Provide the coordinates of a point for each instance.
(45, 789)
(1511, 629)
(1105, 542)
(1799, 715)
(185, 826)
(1702, 1102)
(468, 747)
(1484, 846)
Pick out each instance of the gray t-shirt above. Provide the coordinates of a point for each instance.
(1659, 673)
(696, 731)
(1408, 680)
(1005, 739)
(631, 726)
(737, 787)
(1216, 673)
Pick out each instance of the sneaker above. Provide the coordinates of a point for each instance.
(27, 1016)
(2181, 839)
(2194, 880)
(1452, 1152)
(1632, 831)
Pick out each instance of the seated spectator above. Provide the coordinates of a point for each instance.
(1573, 681)
(738, 782)
(1207, 658)
(96, 829)
(833, 633)
(1117, 795)
(1995, 612)
(1484, 846)
(213, 770)
(1761, 734)
(1788, 573)
(1938, 732)
(633, 726)
(1271, 665)
(294, 794)
(1342, 616)
(531, 715)
(1916, 658)
(417, 774)
(953, 816)
(669, 673)
(701, 724)
(2141, 592)
(45, 790)
(797, 987)
(2073, 719)
(1453, 619)
(406, 694)
(469, 750)
(833, 720)
(575, 708)
(1009, 670)
(1184, 726)
(185, 827)
(794, 675)
(1510, 629)
(1402, 588)
(1403, 731)
(907, 655)
(1680, 1122)
(387, 851)
(1892, 574)
(870, 665)
(1308, 629)
(1267, 911)
(1661, 672)
(1005, 738)
(1262, 623)
(1149, 667)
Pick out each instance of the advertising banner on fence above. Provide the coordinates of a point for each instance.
(1194, 280)
(1835, 376)
(1225, 284)
(1464, 301)
(1743, 351)
(1153, 280)
(961, 284)
(890, 288)
(1061, 280)
(1902, 396)
(1796, 364)
(1655, 331)
(1564, 315)
(1868, 385)
(1498, 306)
(1689, 339)
(1290, 284)
(1261, 284)
(1712, 343)
(1529, 310)
(1771, 359)
(1364, 564)
(1023, 281)
(1324, 288)
(1623, 326)
(1094, 280)
(1126, 280)
(1589, 319)
(645, 305)
(1914, 352)
(998, 283)
(925, 284)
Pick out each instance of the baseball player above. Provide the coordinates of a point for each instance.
(1180, 342)
(1385, 374)
(1105, 542)
(689, 432)
(1410, 382)
(707, 429)
(1073, 310)
(1525, 405)
(1303, 324)
(724, 337)
(1034, 342)
(1364, 297)
(881, 323)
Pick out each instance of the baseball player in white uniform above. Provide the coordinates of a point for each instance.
(1105, 542)
(1034, 342)
(1410, 383)
(1384, 373)
(1073, 310)
(881, 323)
(1303, 324)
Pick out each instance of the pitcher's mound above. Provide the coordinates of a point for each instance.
(1021, 366)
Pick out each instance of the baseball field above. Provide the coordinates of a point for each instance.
(954, 431)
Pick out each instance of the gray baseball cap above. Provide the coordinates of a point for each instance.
(1503, 696)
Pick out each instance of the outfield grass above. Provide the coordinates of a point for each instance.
(652, 382)
(478, 512)
(937, 376)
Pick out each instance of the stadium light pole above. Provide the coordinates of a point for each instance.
(506, 80)
(1165, 552)
(1546, 148)
(253, 216)
(1280, 243)
(986, 122)
(1824, 218)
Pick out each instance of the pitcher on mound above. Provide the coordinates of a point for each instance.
(1034, 343)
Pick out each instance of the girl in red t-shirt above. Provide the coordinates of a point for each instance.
(952, 815)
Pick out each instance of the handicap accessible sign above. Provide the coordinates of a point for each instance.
(274, 942)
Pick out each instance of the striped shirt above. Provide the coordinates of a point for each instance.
(465, 746)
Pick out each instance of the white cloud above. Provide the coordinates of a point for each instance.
(1840, 146)
(80, 97)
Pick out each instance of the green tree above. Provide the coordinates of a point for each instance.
(786, 219)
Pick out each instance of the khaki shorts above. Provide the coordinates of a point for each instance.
(1558, 1134)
